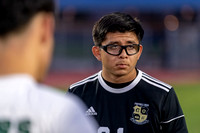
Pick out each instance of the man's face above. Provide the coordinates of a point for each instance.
(123, 64)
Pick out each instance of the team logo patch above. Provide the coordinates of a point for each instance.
(140, 113)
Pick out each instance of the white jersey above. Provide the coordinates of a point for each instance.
(28, 107)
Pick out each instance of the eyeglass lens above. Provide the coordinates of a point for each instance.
(117, 49)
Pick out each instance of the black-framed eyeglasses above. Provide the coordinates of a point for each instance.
(116, 50)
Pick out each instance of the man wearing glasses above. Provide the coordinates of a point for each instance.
(122, 98)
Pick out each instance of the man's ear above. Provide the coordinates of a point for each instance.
(48, 25)
(96, 52)
(140, 52)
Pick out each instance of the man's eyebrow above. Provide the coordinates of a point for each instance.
(118, 42)
(131, 42)
(113, 42)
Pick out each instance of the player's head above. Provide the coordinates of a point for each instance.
(26, 36)
(117, 38)
(116, 22)
(16, 14)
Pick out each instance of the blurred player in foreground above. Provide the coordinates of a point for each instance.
(26, 44)
(122, 98)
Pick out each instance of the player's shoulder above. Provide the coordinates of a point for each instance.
(54, 99)
(48, 93)
(155, 83)
(87, 80)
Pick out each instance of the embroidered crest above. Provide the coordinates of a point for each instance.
(140, 113)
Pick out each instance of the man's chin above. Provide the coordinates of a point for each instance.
(120, 73)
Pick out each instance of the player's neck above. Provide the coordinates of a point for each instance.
(15, 69)
(118, 79)
(119, 85)
(15, 63)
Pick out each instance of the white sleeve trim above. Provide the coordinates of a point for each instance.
(172, 119)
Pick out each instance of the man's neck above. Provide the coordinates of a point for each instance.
(118, 79)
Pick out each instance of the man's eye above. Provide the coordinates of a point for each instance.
(113, 46)
(132, 47)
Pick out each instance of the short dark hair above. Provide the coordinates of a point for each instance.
(14, 14)
(116, 22)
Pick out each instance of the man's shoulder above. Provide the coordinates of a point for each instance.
(87, 80)
(155, 83)
(27, 96)
(48, 93)
(54, 99)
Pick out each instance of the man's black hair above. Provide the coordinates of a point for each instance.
(14, 14)
(116, 22)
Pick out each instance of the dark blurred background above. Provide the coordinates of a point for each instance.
(171, 39)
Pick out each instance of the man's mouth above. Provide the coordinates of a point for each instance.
(122, 65)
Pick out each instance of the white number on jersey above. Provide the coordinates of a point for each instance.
(22, 126)
(107, 130)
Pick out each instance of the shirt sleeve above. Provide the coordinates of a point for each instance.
(173, 120)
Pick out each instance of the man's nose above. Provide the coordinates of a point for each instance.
(123, 53)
